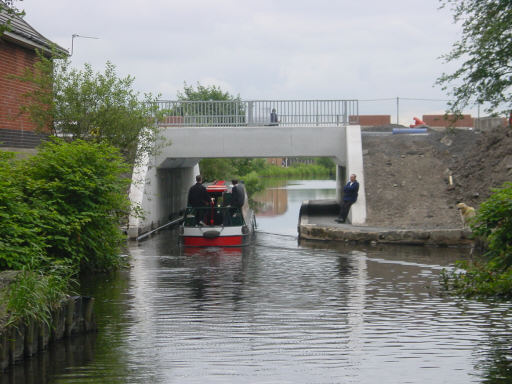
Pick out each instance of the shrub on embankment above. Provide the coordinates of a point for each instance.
(59, 215)
(492, 274)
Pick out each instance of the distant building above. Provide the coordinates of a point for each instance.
(17, 52)
(279, 161)
(446, 121)
(371, 120)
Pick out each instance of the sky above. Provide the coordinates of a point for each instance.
(372, 50)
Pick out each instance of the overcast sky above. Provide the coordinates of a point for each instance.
(280, 49)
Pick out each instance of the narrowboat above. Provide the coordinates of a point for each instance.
(219, 224)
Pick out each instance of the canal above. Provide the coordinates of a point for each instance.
(280, 312)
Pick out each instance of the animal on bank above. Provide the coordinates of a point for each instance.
(466, 213)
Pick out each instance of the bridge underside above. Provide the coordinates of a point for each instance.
(161, 184)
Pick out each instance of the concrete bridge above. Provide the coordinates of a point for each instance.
(258, 128)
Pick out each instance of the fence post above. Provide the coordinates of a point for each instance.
(250, 112)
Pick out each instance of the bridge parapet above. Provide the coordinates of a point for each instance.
(259, 113)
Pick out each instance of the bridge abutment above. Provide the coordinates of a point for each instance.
(158, 194)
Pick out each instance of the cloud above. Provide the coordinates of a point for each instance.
(266, 49)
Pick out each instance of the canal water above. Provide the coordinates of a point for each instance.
(280, 312)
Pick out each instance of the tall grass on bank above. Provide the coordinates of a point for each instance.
(34, 294)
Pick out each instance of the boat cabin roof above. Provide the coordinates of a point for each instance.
(218, 186)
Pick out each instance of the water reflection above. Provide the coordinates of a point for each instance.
(273, 201)
(282, 219)
(280, 312)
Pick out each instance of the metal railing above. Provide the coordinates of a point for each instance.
(259, 113)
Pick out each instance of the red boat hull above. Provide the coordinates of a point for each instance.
(221, 241)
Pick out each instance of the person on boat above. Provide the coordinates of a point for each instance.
(235, 202)
(237, 194)
(198, 197)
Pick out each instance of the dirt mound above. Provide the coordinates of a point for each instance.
(407, 176)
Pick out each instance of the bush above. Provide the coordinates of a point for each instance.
(493, 223)
(492, 275)
(63, 206)
(252, 183)
(80, 194)
(21, 242)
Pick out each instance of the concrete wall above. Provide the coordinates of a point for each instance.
(161, 194)
(490, 123)
(289, 141)
(357, 214)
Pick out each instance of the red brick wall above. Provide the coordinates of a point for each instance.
(173, 120)
(13, 60)
(373, 120)
(442, 121)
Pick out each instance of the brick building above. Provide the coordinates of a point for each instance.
(373, 120)
(18, 47)
(445, 121)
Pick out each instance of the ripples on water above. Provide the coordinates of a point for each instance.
(279, 312)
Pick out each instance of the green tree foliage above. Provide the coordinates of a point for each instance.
(485, 50)
(217, 169)
(491, 276)
(21, 241)
(92, 106)
(79, 189)
(204, 93)
(63, 206)
(212, 169)
(216, 112)
(494, 224)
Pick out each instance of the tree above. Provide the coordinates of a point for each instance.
(202, 93)
(10, 10)
(211, 168)
(88, 105)
(485, 49)
(210, 105)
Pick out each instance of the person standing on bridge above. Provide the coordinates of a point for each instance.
(349, 197)
(273, 117)
(198, 197)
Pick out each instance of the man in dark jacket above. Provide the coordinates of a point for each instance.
(237, 195)
(349, 197)
(197, 194)
(198, 197)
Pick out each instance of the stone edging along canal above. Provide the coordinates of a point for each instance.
(18, 341)
(316, 222)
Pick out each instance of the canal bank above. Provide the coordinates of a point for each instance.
(415, 181)
(25, 338)
(317, 222)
